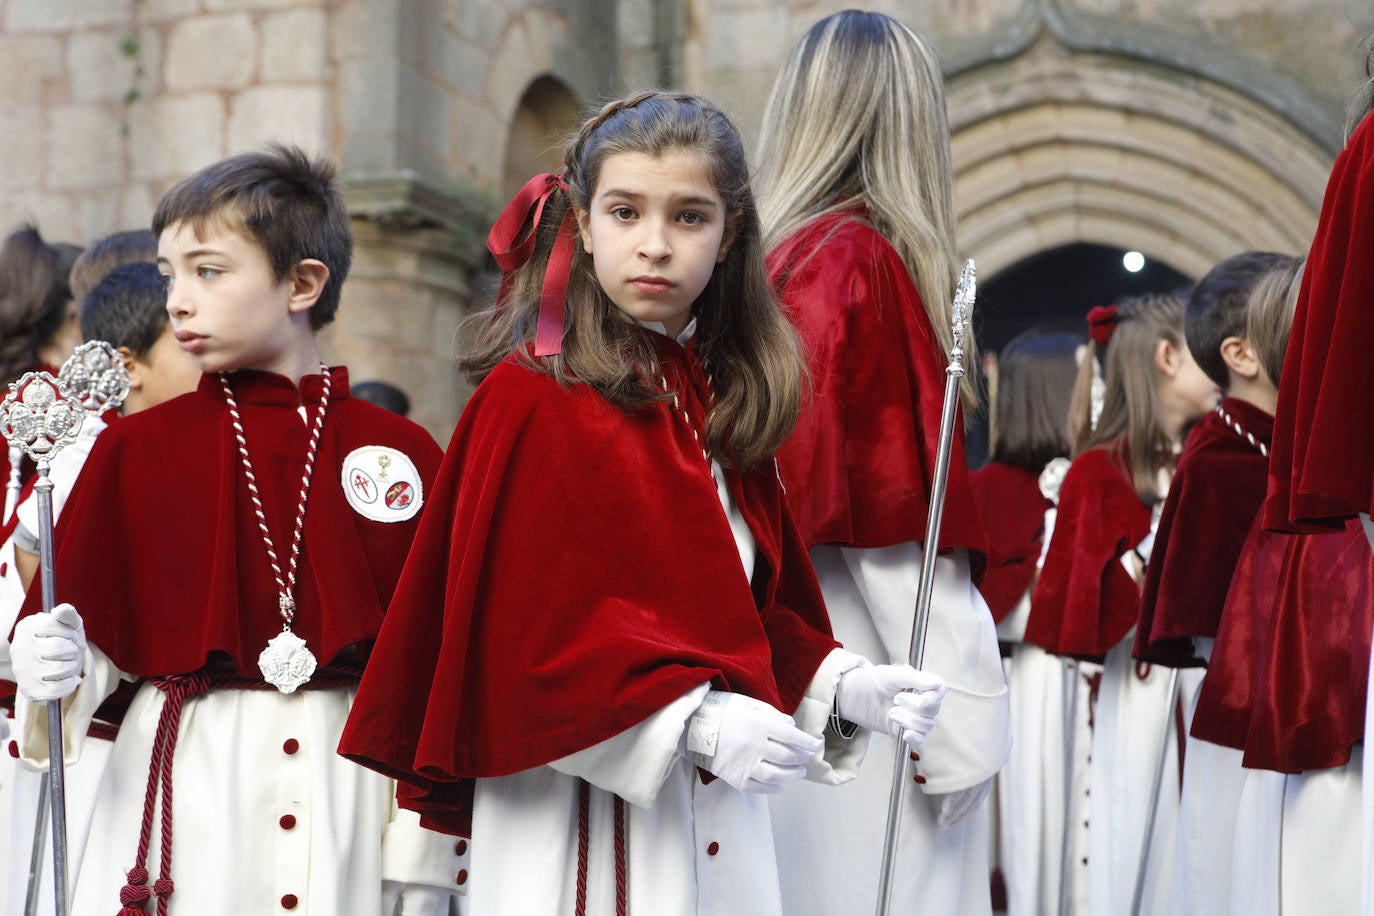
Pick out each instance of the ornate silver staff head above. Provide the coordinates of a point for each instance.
(964, 295)
(95, 376)
(38, 417)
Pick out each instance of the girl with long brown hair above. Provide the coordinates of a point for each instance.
(608, 644)
(1087, 598)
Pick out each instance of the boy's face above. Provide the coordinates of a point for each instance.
(228, 310)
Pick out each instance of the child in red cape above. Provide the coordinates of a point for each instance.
(862, 252)
(1017, 492)
(232, 551)
(1086, 601)
(608, 622)
(1213, 499)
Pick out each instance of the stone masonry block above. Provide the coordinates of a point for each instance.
(211, 52)
(21, 148)
(84, 148)
(280, 114)
(217, 5)
(27, 63)
(50, 16)
(367, 29)
(171, 136)
(100, 67)
(294, 46)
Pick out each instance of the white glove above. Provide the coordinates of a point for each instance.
(747, 743)
(955, 806)
(47, 653)
(878, 698)
(401, 899)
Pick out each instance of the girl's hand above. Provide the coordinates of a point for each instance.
(894, 699)
(747, 743)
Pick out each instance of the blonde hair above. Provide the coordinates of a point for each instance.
(857, 115)
(1130, 395)
(1269, 314)
(1363, 100)
(742, 336)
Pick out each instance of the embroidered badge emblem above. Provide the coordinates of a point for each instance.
(382, 484)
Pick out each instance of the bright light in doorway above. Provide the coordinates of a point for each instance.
(1133, 261)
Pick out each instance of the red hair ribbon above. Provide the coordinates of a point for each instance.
(511, 245)
(1101, 322)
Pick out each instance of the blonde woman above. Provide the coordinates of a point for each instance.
(857, 207)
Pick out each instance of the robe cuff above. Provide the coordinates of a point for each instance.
(970, 742)
(414, 855)
(634, 763)
(99, 678)
(838, 761)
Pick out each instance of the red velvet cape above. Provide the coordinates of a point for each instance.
(1085, 602)
(1310, 682)
(159, 548)
(859, 466)
(575, 574)
(1228, 691)
(1322, 464)
(1012, 509)
(1213, 498)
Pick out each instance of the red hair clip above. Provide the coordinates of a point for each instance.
(511, 242)
(1101, 323)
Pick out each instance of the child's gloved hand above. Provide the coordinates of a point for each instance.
(747, 743)
(47, 653)
(894, 699)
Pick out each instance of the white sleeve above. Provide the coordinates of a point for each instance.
(64, 468)
(99, 678)
(634, 763)
(11, 601)
(972, 736)
(415, 855)
(838, 761)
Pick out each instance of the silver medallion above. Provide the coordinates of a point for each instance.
(287, 662)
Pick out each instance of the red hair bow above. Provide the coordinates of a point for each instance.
(511, 242)
(1101, 323)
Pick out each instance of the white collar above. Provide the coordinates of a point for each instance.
(659, 327)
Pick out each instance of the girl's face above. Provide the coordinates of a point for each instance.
(656, 228)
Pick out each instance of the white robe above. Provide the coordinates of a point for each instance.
(830, 840)
(691, 849)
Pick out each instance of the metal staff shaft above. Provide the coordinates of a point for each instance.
(1070, 754)
(963, 300)
(40, 839)
(1138, 897)
(57, 784)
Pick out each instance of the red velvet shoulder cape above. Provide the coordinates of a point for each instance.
(1310, 681)
(859, 466)
(1012, 510)
(1322, 466)
(575, 574)
(1213, 498)
(1085, 602)
(159, 548)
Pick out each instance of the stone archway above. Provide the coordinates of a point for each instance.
(1054, 146)
(546, 115)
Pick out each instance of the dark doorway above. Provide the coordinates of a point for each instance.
(1055, 289)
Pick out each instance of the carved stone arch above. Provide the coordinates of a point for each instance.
(1056, 145)
(546, 114)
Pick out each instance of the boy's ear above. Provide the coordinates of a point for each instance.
(307, 281)
(1240, 358)
(584, 229)
(132, 365)
(731, 233)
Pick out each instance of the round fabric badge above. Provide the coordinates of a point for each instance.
(382, 484)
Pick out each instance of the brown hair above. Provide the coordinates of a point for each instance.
(1269, 318)
(1363, 100)
(1036, 372)
(279, 198)
(33, 298)
(132, 247)
(1217, 307)
(751, 349)
(1130, 392)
